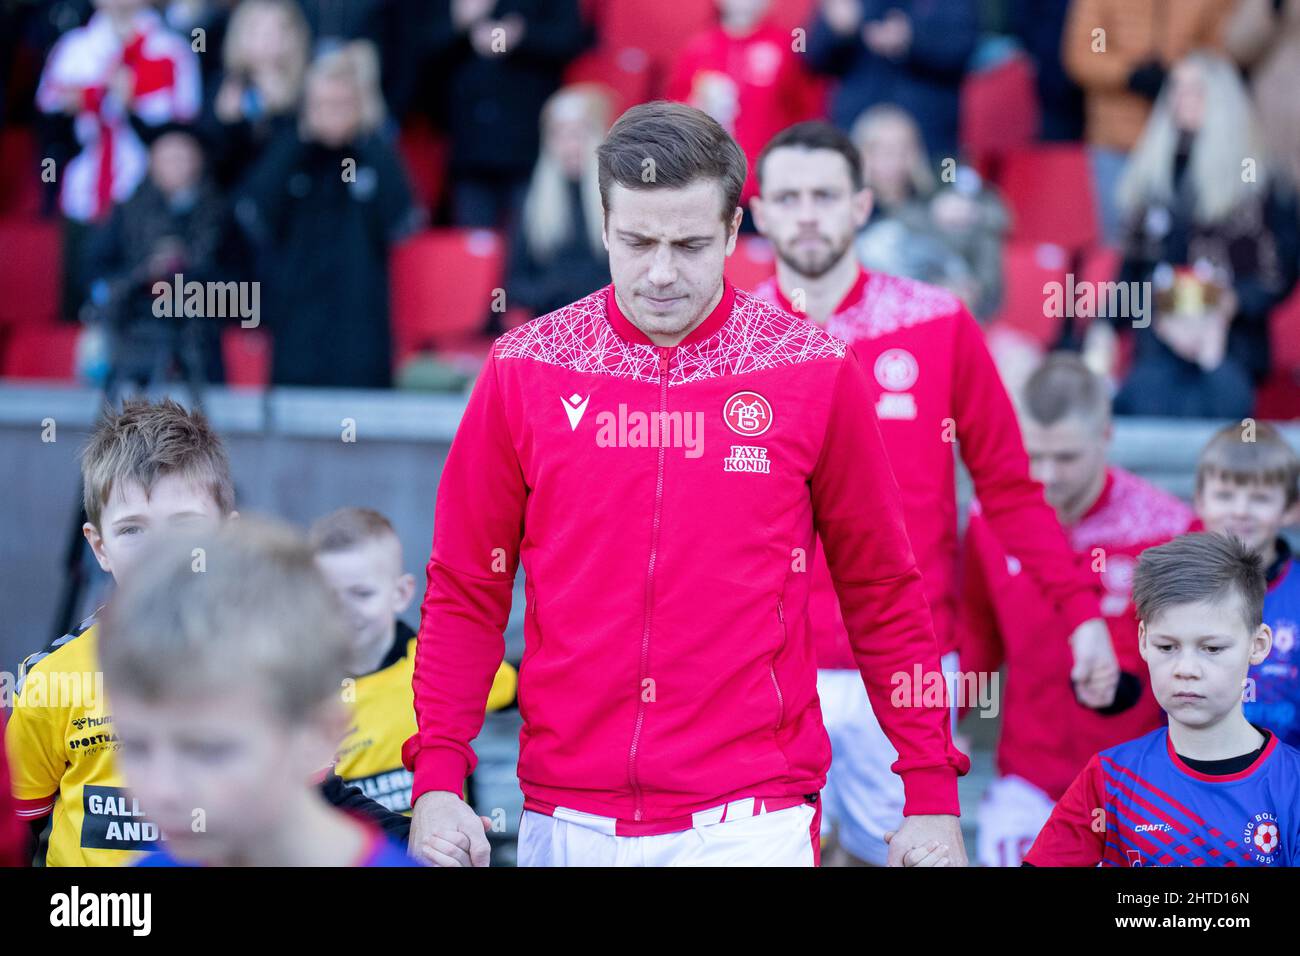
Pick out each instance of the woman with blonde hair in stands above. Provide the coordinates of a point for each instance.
(1212, 226)
(323, 208)
(557, 254)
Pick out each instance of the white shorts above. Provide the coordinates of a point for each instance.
(863, 798)
(777, 838)
(1010, 815)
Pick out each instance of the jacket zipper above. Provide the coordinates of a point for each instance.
(664, 358)
(780, 698)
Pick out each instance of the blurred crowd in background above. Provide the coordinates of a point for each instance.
(402, 180)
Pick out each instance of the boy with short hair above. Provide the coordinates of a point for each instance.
(360, 556)
(1248, 485)
(145, 469)
(225, 662)
(1210, 789)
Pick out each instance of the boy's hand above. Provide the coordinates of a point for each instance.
(927, 840)
(445, 831)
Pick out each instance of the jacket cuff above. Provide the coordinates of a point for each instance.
(438, 768)
(930, 790)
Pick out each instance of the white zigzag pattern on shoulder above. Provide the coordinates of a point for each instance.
(888, 303)
(1137, 512)
(755, 337)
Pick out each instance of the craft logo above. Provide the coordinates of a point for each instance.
(748, 414)
(896, 371)
(748, 458)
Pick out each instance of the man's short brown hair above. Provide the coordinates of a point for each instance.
(1251, 453)
(815, 134)
(347, 528)
(1197, 567)
(1063, 387)
(664, 144)
(145, 442)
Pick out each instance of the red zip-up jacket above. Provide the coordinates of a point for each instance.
(933, 384)
(668, 664)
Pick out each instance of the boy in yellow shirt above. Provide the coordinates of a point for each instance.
(360, 556)
(147, 470)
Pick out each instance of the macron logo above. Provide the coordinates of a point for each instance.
(574, 406)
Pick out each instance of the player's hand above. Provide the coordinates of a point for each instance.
(445, 831)
(927, 840)
(1096, 670)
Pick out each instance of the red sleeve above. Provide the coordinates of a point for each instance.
(478, 526)
(1075, 833)
(979, 640)
(860, 520)
(13, 834)
(1011, 501)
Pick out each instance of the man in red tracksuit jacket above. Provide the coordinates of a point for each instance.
(660, 455)
(933, 384)
(1111, 517)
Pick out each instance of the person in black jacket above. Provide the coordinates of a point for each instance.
(323, 208)
(912, 53)
(499, 61)
(174, 224)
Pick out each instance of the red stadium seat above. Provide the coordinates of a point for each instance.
(999, 111)
(424, 154)
(31, 256)
(40, 352)
(657, 30)
(443, 281)
(1279, 396)
(20, 188)
(1027, 268)
(624, 73)
(247, 357)
(751, 263)
(1049, 189)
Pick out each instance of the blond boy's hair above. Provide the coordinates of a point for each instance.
(347, 528)
(1250, 454)
(145, 442)
(243, 605)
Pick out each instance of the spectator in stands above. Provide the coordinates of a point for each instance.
(265, 57)
(948, 234)
(1263, 36)
(172, 225)
(746, 75)
(1214, 226)
(1039, 25)
(323, 207)
(123, 65)
(1120, 51)
(557, 253)
(912, 53)
(502, 59)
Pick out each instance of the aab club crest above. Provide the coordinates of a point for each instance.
(747, 413)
